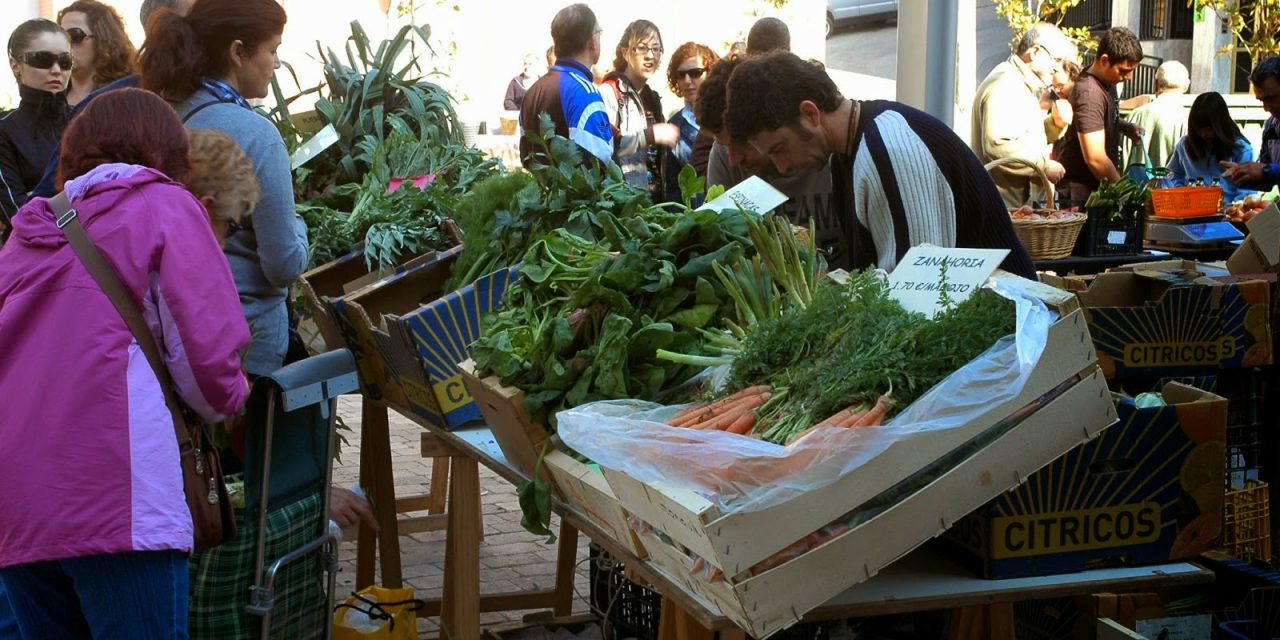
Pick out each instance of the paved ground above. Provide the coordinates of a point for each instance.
(511, 559)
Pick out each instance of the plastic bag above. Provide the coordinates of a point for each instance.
(377, 613)
(741, 474)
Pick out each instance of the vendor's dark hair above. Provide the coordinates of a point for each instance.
(1119, 44)
(1269, 68)
(114, 53)
(572, 28)
(713, 95)
(128, 126)
(180, 52)
(635, 32)
(768, 34)
(26, 32)
(771, 89)
(1210, 110)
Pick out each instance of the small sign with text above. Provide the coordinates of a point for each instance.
(918, 281)
(752, 194)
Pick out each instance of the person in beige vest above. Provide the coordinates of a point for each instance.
(1008, 120)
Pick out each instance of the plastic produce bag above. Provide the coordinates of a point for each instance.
(377, 613)
(740, 473)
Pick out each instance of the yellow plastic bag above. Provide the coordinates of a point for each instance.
(377, 613)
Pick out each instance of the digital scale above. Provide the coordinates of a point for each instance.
(1202, 232)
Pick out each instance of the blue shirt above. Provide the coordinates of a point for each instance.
(1182, 169)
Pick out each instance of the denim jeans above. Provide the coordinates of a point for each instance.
(8, 623)
(140, 595)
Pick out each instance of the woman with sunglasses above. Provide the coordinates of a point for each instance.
(641, 136)
(102, 50)
(209, 64)
(688, 66)
(40, 59)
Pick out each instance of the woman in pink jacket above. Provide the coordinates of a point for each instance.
(94, 528)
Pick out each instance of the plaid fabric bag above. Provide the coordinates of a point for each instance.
(221, 579)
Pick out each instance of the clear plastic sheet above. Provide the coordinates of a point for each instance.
(741, 474)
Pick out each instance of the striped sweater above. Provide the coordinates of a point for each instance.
(912, 181)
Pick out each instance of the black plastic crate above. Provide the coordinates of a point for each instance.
(632, 610)
(1101, 236)
(629, 610)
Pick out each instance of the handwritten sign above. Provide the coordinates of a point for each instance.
(752, 194)
(312, 147)
(918, 281)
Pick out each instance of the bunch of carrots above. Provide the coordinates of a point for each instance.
(734, 414)
(738, 413)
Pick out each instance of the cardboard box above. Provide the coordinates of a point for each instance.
(1149, 490)
(1064, 403)
(1168, 318)
(1260, 251)
(409, 336)
(323, 285)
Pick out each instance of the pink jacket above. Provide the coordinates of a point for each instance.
(88, 456)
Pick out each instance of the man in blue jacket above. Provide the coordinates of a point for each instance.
(1265, 173)
(567, 93)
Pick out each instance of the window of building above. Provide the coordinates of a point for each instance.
(1166, 19)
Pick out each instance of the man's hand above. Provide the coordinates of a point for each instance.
(346, 508)
(1055, 170)
(666, 134)
(1133, 132)
(1243, 172)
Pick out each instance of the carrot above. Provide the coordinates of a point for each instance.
(705, 411)
(743, 424)
(720, 418)
(716, 575)
(722, 421)
(875, 416)
(698, 566)
(842, 415)
(854, 418)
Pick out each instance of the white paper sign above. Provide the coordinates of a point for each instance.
(752, 194)
(323, 139)
(916, 282)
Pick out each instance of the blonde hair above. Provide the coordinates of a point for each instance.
(219, 169)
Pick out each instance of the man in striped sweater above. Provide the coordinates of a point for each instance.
(902, 175)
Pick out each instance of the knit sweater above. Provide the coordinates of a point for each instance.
(912, 181)
(268, 256)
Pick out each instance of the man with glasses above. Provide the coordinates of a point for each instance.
(1265, 173)
(1091, 145)
(1008, 121)
(567, 92)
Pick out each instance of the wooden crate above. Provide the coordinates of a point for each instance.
(587, 491)
(1073, 405)
(522, 442)
(503, 409)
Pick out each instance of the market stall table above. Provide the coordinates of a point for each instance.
(923, 580)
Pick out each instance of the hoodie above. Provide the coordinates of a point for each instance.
(88, 454)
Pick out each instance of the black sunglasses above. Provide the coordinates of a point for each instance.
(77, 35)
(46, 60)
(693, 73)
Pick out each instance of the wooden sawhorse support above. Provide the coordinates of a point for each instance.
(460, 607)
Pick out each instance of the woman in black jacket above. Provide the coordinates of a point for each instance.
(40, 57)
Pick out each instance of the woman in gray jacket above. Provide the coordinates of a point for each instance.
(642, 137)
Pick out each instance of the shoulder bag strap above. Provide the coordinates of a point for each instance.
(198, 108)
(121, 299)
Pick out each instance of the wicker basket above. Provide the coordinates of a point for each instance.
(1044, 239)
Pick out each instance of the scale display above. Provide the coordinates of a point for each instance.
(1199, 233)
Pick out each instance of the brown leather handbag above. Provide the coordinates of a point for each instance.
(211, 515)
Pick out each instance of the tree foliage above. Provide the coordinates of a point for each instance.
(1023, 14)
(1254, 25)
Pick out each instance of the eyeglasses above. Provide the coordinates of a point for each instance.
(46, 60)
(643, 50)
(693, 73)
(77, 35)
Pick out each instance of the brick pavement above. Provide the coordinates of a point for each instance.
(511, 559)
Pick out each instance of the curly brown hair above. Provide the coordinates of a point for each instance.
(684, 52)
(114, 53)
